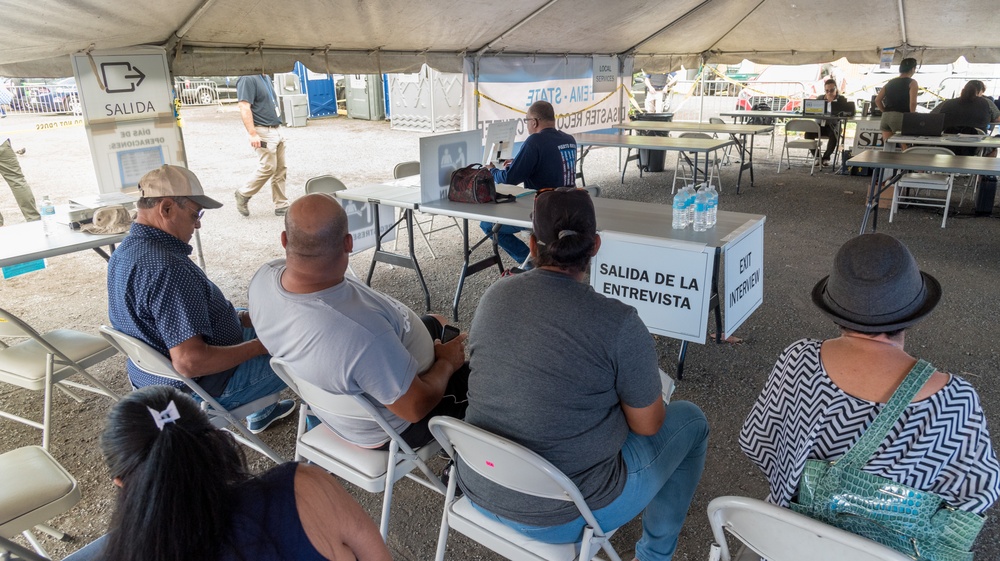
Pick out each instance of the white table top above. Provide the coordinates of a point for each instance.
(20, 243)
(628, 217)
(974, 165)
(978, 141)
(401, 193)
(672, 126)
(652, 142)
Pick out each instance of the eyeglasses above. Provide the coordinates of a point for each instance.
(834, 90)
(529, 119)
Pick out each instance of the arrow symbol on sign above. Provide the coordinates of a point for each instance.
(117, 77)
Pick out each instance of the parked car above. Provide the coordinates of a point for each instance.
(203, 90)
(51, 96)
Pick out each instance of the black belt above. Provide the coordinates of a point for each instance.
(267, 126)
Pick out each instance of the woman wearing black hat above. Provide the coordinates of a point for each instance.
(821, 395)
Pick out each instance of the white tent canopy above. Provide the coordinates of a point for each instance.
(232, 37)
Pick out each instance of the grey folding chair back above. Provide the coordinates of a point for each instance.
(44, 362)
(35, 490)
(406, 169)
(794, 141)
(324, 184)
(375, 471)
(149, 360)
(908, 189)
(517, 468)
(779, 534)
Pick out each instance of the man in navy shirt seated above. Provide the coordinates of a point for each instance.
(547, 159)
(156, 293)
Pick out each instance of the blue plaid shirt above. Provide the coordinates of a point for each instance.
(156, 293)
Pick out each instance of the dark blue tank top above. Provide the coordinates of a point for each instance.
(266, 525)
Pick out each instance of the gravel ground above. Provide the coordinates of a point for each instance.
(807, 220)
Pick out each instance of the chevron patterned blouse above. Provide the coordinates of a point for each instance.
(939, 444)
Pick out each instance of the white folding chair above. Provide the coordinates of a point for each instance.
(41, 362)
(149, 360)
(407, 169)
(918, 181)
(35, 490)
(375, 471)
(515, 467)
(779, 534)
(795, 130)
(684, 167)
(10, 551)
(727, 151)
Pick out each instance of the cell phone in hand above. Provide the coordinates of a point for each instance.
(263, 144)
(450, 332)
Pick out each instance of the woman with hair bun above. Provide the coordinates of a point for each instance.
(185, 494)
(573, 376)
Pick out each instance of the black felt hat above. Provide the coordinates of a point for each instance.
(876, 287)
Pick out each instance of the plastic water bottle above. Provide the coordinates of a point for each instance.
(48, 212)
(679, 210)
(701, 210)
(713, 206)
(692, 195)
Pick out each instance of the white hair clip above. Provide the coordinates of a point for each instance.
(564, 233)
(168, 415)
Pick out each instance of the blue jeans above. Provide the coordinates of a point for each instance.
(663, 472)
(510, 243)
(252, 380)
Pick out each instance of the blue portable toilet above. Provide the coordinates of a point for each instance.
(321, 89)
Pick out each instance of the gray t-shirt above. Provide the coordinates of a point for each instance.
(348, 339)
(551, 362)
(978, 113)
(259, 93)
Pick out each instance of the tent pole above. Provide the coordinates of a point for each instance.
(475, 97)
(701, 96)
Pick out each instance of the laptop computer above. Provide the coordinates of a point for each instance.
(922, 124)
(813, 107)
(843, 108)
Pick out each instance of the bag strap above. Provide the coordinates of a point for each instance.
(862, 451)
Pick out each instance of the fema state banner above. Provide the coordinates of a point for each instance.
(509, 85)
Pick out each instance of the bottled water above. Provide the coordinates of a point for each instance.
(689, 205)
(48, 212)
(679, 211)
(701, 210)
(713, 206)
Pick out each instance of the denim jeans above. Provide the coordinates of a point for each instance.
(510, 243)
(663, 472)
(252, 380)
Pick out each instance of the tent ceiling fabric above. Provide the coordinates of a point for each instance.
(231, 37)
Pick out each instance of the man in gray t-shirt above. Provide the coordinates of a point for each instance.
(261, 118)
(573, 376)
(347, 338)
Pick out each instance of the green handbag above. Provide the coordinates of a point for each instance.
(917, 523)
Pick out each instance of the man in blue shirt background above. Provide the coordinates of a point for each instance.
(547, 159)
(157, 294)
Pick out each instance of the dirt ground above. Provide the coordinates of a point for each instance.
(807, 220)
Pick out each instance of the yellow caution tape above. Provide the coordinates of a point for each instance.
(48, 126)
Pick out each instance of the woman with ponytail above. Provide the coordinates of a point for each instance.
(185, 494)
(573, 375)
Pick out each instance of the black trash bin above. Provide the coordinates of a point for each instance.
(652, 160)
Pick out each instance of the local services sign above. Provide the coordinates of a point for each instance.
(128, 110)
(667, 282)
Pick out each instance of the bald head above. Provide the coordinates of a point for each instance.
(543, 111)
(315, 228)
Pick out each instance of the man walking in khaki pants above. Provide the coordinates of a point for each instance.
(10, 169)
(259, 111)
